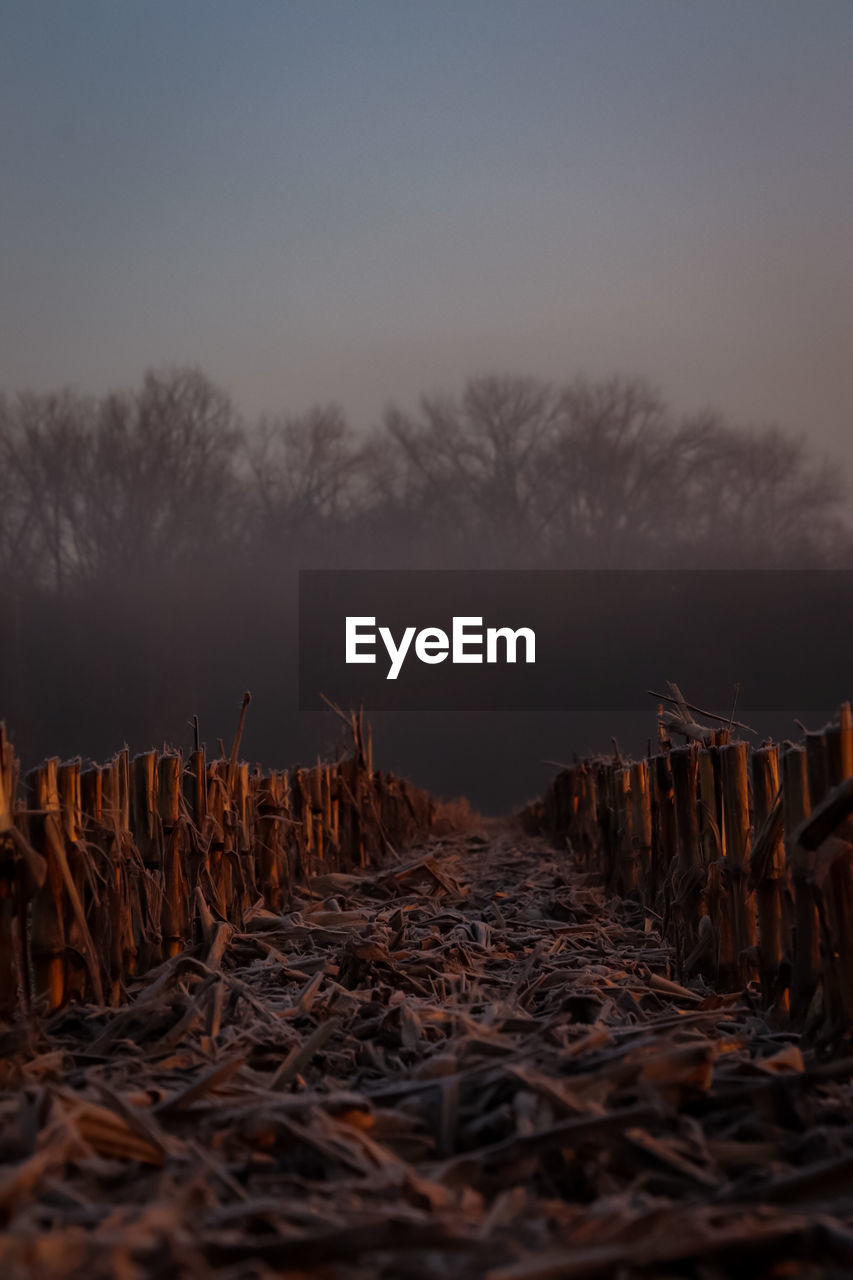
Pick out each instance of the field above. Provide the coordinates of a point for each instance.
(429, 1045)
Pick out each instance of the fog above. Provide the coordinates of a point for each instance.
(393, 271)
(150, 541)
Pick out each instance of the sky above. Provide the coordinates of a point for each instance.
(362, 201)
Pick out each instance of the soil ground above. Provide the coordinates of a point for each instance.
(469, 1063)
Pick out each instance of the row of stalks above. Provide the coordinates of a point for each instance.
(743, 855)
(107, 870)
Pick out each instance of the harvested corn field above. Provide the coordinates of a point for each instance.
(468, 373)
(466, 1062)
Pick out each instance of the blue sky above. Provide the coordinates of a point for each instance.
(362, 201)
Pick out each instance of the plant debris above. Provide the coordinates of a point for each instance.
(469, 1063)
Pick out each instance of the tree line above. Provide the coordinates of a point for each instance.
(512, 472)
(148, 538)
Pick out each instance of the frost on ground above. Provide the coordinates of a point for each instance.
(467, 1064)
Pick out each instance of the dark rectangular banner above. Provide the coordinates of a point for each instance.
(574, 640)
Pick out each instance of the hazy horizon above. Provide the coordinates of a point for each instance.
(364, 203)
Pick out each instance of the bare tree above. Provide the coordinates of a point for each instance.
(44, 439)
(477, 460)
(160, 484)
(604, 483)
(304, 471)
(753, 496)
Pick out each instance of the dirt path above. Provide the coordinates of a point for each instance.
(466, 1065)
